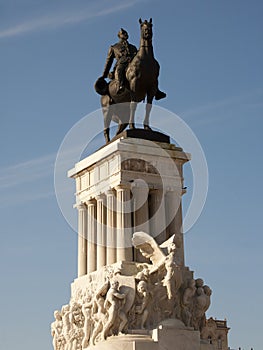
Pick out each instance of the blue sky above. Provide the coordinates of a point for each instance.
(211, 58)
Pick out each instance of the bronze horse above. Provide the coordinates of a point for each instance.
(141, 83)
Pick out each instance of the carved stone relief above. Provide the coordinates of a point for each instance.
(114, 301)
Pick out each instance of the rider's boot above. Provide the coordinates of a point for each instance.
(159, 95)
(107, 135)
(120, 89)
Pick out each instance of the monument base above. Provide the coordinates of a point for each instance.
(170, 335)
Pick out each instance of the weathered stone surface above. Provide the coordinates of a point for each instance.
(142, 296)
(176, 337)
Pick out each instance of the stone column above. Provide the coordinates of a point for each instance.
(82, 239)
(140, 214)
(157, 214)
(92, 237)
(101, 230)
(111, 227)
(173, 206)
(124, 231)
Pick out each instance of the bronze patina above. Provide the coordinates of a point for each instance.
(134, 78)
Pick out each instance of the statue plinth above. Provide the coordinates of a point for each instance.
(143, 134)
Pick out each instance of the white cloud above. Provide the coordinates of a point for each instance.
(27, 181)
(33, 179)
(66, 18)
(29, 171)
(216, 110)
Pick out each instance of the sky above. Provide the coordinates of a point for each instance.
(211, 56)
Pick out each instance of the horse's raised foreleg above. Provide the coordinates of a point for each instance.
(133, 106)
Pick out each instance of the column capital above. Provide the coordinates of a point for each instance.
(91, 201)
(110, 191)
(81, 206)
(123, 186)
(100, 196)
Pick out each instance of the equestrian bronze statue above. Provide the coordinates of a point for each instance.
(134, 78)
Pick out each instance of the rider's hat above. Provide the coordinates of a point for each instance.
(123, 31)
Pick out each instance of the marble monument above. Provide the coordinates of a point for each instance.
(133, 289)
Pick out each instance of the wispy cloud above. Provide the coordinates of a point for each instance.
(48, 22)
(217, 109)
(33, 179)
(29, 171)
(27, 181)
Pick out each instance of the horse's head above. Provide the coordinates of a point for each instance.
(146, 29)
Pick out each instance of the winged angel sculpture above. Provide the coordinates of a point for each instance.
(148, 248)
(151, 250)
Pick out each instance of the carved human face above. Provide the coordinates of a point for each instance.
(207, 290)
(64, 309)
(199, 282)
(172, 247)
(57, 315)
(114, 284)
(77, 315)
(141, 287)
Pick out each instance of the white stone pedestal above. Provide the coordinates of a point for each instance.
(171, 335)
(127, 342)
(131, 185)
(128, 185)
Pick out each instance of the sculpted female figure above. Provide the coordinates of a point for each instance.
(173, 278)
(65, 313)
(87, 312)
(56, 331)
(142, 309)
(77, 322)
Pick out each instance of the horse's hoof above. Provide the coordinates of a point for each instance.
(121, 128)
(146, 127)
(132, 126)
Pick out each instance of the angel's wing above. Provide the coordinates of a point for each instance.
(148, 247)
(175, 238)
(102, 291)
